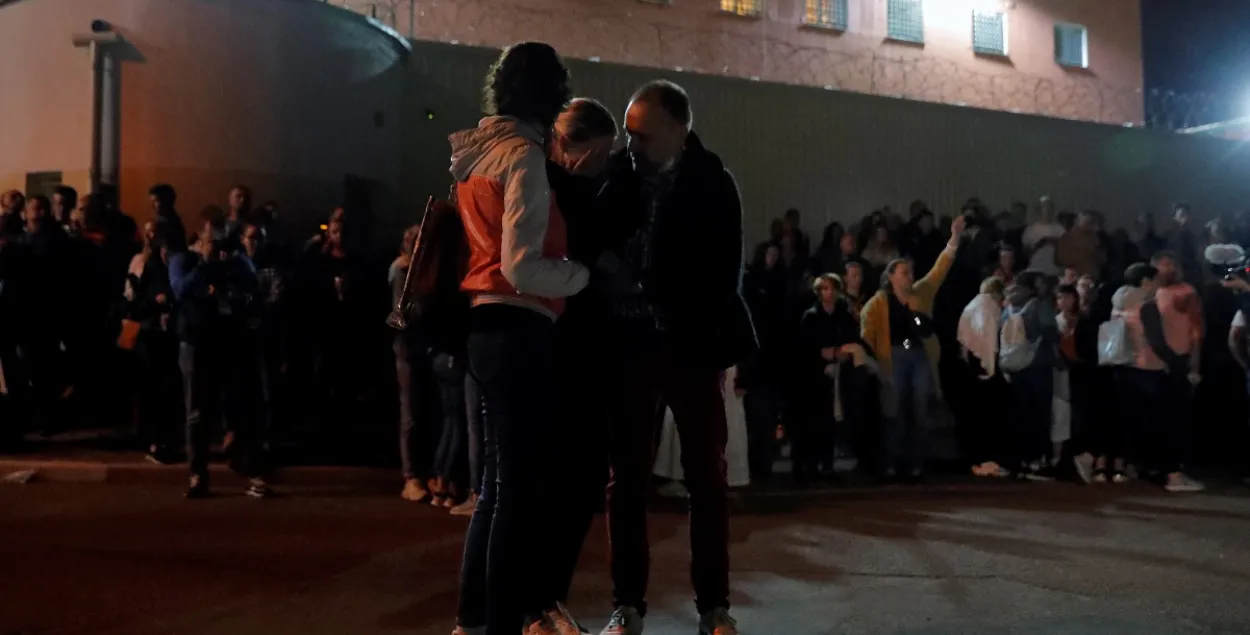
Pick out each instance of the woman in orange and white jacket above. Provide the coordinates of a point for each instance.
(518, 276)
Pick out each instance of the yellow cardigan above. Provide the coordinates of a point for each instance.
(874, 320)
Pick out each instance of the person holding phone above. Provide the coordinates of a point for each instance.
(897, 324)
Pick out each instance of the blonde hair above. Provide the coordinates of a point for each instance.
(994, 286)
(585, 119)
(831, 278)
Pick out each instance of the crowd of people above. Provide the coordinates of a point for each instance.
(574, 329)
(935, 301)
(191, 339)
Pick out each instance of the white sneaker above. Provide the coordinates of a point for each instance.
(1181, 482)
(624, 621)
(554, 621)
(717, 622)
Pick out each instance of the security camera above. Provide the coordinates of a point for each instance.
(100, 26)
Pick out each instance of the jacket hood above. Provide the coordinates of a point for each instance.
(468, 147)
(1018, 295)
(1127, 298)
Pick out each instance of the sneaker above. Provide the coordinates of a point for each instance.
(717, 622)
(448, 503)
(1084, 466)
(1040, 474)
(1119, 478)
(466, 508)
(1181, 482)
(413, 491)
(198, 489)
(673, 489)
(624, 621)
(1101, 476)
(259, 489)
(554, 621)
(438, 501)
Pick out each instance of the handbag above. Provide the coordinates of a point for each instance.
(1114, 346)
(129, 336)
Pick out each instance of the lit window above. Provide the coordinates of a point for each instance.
(830, 14)
(1071, 45)
(905, 20)
(989, 32)
(743, 7)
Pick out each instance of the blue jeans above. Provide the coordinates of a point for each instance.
(505, 576)
(477, 442)
(906, 407)
(449, 373)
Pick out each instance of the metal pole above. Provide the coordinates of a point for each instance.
(97, 108)
(109, 119)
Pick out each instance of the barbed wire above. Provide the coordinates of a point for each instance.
(929, 78)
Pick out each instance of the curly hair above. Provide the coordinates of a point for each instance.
(529, 81)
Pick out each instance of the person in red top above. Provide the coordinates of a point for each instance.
(518, 276)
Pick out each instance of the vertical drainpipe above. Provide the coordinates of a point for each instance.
(97, 108)
(107, 120)
(104, 145)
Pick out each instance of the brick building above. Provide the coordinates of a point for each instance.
(1075, 59)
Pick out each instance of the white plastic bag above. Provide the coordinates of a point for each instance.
(1115, 348)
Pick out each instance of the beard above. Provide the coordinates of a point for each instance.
(647, 167)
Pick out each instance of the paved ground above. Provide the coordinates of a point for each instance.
(1041, 559)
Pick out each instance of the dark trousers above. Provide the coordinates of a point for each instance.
(476, 435)
(812, 447)
(1030, 406)
(221, 379)
(582, 440)
(652, 377)
(764, 403)
(160, 402)
(1099, 426)
(1160, 404)
(449, 458)
(15, 399)
(506, 574)
(906, 405)
(979, 405)
(45, 362)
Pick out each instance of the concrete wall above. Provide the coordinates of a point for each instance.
(288, 96)
(836, 155)
(778, 47)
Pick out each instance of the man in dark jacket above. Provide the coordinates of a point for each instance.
(218, 296)
(679, 319)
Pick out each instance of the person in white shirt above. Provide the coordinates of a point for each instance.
(1040, 238)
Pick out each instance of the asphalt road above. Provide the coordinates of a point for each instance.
(1040, 559)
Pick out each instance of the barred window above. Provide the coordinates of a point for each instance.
(905, 20)
(743, 7)
(989, 32)
(1071, 45)
(830, 14)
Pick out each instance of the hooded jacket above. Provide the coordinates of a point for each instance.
(1127, 304)
(518, 246)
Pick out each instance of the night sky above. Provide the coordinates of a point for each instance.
(1199, 46)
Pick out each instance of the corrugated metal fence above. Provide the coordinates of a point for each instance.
(837, 156)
